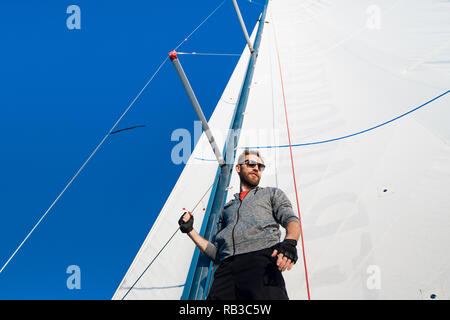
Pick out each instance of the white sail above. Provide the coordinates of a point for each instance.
(374, 206)
(166, 275)
(363, 86)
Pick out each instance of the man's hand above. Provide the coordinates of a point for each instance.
(287, 254)
(186, 222)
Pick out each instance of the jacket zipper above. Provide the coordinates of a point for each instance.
(232, 234)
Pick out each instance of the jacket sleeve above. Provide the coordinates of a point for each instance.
(282, 208)
(211, 249)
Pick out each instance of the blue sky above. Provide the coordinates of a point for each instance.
(61, 91)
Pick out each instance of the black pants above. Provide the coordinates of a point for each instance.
(249, 276)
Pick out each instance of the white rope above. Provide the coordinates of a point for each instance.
(84, 164)
(210, 54)
(104, 139)
(206, 19)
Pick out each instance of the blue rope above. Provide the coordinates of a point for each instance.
(343, 137)
(349, 135)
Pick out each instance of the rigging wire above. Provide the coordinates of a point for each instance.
(292, 159)
(255, 2)
(206, 19)
(164, 246)
(210, 54)
(106, 136)
(84, 165)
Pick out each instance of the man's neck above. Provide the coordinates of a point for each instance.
(245, 187)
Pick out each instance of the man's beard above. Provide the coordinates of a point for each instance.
(249, 183)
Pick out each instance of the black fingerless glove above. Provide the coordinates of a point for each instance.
(186, 227)
(288, 248)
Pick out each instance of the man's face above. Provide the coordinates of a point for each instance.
(249, 176)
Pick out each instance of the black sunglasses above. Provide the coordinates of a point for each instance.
(253, 163)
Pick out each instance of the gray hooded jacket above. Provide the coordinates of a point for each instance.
(251, 224)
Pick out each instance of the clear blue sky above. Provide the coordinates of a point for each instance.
(61, 91)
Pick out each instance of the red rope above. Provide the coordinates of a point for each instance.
(292, 163)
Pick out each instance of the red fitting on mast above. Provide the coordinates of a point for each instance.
(173, 55)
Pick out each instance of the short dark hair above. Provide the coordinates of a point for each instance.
(247, 152)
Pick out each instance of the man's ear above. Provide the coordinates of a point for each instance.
(238, 168)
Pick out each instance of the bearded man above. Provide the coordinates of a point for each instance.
(247, 245)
